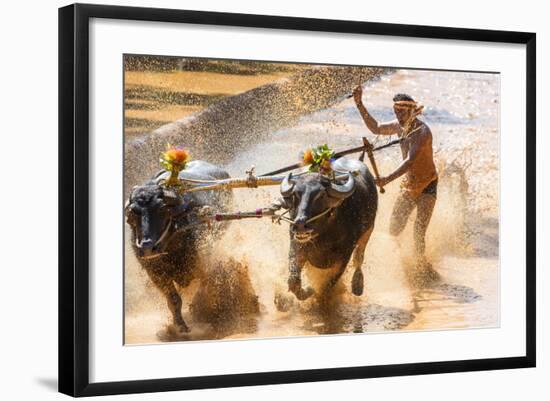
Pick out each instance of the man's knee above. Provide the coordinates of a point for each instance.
(424, 212)
(400, 214)
(397, 226)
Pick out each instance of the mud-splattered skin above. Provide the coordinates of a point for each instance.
(167, 250)
(329, 241)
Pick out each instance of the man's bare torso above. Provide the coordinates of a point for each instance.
(422, 171)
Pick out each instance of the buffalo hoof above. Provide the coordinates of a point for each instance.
(174, 333)
(304, 294)
(295, 286)
(357, 283)
(182, 328)
(283, 302)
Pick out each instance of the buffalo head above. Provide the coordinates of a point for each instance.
(150, 212)
(311, 198)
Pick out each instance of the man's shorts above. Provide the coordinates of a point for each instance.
(431, 189)
(405, 204)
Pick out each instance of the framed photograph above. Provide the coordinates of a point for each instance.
(249, 199)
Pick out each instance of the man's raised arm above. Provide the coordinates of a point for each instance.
(390, 128)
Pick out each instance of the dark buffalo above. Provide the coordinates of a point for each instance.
(164, 238)
(330, 221)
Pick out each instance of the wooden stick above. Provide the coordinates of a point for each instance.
(369, 148)
(257, 214)
(230, 183)
(249, 182)
(337, 155)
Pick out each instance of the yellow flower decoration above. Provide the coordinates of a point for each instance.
(174, 159)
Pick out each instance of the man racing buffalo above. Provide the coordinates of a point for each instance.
(419, 184)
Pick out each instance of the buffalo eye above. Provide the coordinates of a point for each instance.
(294, 199)
(286, 201)
(164, 207)
(132, 210)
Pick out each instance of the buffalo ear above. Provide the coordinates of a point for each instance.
(170, 197)
(325, 181)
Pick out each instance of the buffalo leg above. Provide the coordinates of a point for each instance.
(340, 269)
(174, 304)
(295, 278)
(357, 282)
(173, 299)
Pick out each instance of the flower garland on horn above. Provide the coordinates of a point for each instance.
(174, 160)
(319, 159)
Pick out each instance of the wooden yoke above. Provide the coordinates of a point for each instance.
(369, 149)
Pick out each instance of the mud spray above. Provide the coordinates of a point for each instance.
(247, 269)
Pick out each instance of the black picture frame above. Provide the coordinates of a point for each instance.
(74, 198)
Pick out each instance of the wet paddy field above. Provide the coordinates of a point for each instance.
(246, 270)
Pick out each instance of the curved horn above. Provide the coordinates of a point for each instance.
(342, 191)
(287, 185)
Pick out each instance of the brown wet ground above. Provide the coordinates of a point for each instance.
(462, 110)
(154, 98)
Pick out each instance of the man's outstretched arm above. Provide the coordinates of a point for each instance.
(390, 128)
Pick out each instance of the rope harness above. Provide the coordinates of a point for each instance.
(204, 216)
(278, 217)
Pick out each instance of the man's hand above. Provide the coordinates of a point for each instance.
(382, 181)
(389, 128)
(358, 94)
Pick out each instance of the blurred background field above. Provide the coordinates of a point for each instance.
(159, 90)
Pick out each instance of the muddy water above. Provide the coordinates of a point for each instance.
(462, 111)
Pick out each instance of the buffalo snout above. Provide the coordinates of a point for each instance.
(147, 245)
(300, 224)
(301, 232)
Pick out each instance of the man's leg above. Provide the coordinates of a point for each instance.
(425, 206)
(402, 209)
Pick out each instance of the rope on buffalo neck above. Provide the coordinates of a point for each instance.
(275, 218)
(318, 216)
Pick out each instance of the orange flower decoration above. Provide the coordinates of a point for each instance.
(175, 158)
(307, 157)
